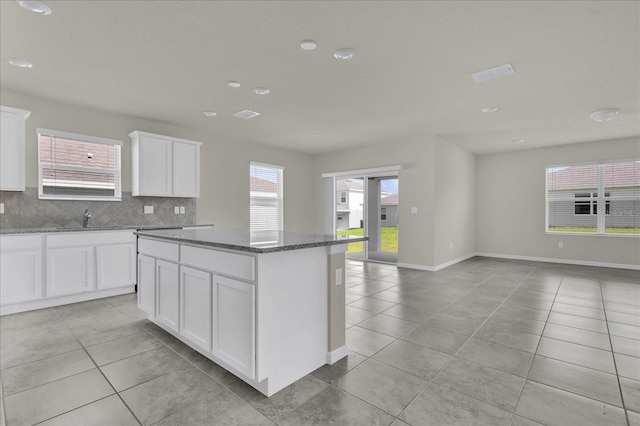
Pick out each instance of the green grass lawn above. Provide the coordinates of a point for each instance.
(593, 230)
(388, 234)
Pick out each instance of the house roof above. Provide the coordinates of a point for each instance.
(619, 174)
(390, 200)
(348, 185)
(261, 185)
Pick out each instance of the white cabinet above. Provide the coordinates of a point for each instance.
(234, 324)
(115, 265)
(12, 142)
(147, 285)
(167, 294)
(164, 166)
(20, 268)
(70, 270)
(51, 269)
(195, 306)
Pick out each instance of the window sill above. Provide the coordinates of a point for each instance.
(593, 234)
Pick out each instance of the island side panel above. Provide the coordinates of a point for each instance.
(292, 324)
(337, 347)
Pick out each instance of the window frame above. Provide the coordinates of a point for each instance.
(594, 200)
(268, 201)
(116, 171)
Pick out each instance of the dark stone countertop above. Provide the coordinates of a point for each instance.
(249, 241)
(14, 231)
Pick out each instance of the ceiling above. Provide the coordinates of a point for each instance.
(169, 61)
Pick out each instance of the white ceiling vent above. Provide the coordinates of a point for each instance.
(246, 114)
(492, 73)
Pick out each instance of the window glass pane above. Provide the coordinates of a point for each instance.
(265, 192)
(74, 168)
(572, 197)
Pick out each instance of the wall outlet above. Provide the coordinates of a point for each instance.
(176, 210)
(339, 276)
(451, 246)
(148, 209)
(182, 210)
(414, 210)
(1, 208)
(560, 244)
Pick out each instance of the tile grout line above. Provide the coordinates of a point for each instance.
(615, 364)
(465, 342)
(526, 377)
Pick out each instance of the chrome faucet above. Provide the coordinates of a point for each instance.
(86, 217)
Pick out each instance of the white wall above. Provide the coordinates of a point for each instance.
(511, 205)
(416, 184)
(455, 227)
(224, 182)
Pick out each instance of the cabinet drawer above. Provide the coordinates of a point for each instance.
(235, 265)
(159, 249)
(20, 242)
(88, 238)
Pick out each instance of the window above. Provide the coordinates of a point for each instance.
(78, 167)
(600, 198)
(343, 197)
(383, 213)
(265, 193)
(587, 203)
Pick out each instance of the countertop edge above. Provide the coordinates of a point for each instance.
(249, 249)
(19, 231)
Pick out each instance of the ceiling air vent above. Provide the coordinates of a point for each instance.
(492, 73)
(246, 114)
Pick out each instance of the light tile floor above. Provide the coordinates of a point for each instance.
(485, 341)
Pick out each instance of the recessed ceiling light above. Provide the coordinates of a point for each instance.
(518, 141)
(261, 91)
(233, 84)
(604, 115)
(17, 62)
(246, 114)
(492, 73)
(210, 113)
(489, 109)
(308, 44)
(35, 6)
(344, 54)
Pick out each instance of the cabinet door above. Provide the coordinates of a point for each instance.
(70, 270)
(156, 166)
(234, 324)
(147, 284)
(20, 276)
(167, 294)
(116, 265)
(12, 160)
(195, 308)
(186, 170)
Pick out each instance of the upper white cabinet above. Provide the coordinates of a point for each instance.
(12, 160)
(163, 166)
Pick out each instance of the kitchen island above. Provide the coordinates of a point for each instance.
(267, 306)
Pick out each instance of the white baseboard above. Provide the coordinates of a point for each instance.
(64, 300)
(437, 267)
(564, 261)
(337, 354)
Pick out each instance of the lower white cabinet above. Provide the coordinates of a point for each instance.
(51, 269)
(147, 284)
(167, 294)
(20, 269)
(195, 306)
(234, 323)
(70, 270)
(115, 265)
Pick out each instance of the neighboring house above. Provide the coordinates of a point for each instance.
(572, 195)
(349, 204)
(389, 210)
